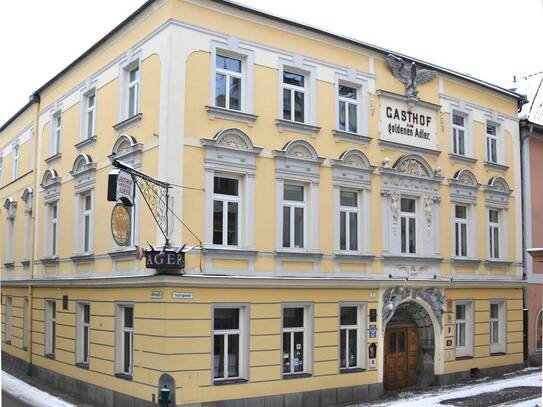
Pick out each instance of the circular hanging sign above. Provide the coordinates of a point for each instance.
(121, 224)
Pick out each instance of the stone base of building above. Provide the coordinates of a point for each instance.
(86, 392)
(534, 359)
(458, 377)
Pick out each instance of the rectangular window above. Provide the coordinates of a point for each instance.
(87, 222)
(228, 82)
(294, 94)
(350, 337)
(9, 318)
(228, 343)
(57, 129)
(494, 233)
(133, 91)
(295, 340)
(15, 163)
(83, 333)
(348, 108)
(461, 231)
(293, 216)
(497, 326)
(50, 326)
(226, 208)
(25, 323)
(53, 230)
(349, 214)
(27, 235)
(408, 223)
(464, 329)
(90, 116)
(125, 339)
(10, 241)
(459, 135)
(491, 143)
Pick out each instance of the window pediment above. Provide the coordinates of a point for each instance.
(352, 168)
(298, 160)
(464, 186)
(232, 138)
(497, 192)
(10, 205)
(413, 165)
(27, 198)
(82, 164)
(50, 178)
(127, 149)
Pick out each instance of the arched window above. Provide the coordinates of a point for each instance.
(539, 331)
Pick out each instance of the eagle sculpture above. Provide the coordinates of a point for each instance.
(410, 76)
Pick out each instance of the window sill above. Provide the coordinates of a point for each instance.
(497, 353)
(298, 254)
(128, 123)
(123, 254)
(463, 357)
(288, 125)
(53, 158)
(214, 112)
(124, 376)
(9, 264)
(498, 262)
(229, 381)
(341, 135)
(50, 356)
(234, 251)
(82, 258)
(82, 365)
(351, 370)
(86, 143)
(296, 376)
(496, 166)
(49, 260)
(25, 263)
(462, 159)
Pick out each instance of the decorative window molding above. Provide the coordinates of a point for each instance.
(231, 153)
(10, 205)
(498, 326)
(466, 113)
(51, 185)
(299, 163)
(55, 132)
(410, 177)
(463, 192)
(297, 333)
(233, 50)
(87, 119)
(494, 143)
(464, 328)
(84, 173)
(129, 91)
(360, 85)
(352, 171)
(27, 197)
(497, 194)
(128, 150)
(15, 160)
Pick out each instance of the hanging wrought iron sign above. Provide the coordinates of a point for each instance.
(121, 224)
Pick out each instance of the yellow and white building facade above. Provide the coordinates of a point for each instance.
(348, 239)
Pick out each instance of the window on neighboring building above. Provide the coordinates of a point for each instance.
(226, 206)
(50, 326)
(125, 339)
(491, 143)
(494, 233)
(9, 318)
(83, 333)
(294, 94)
(90, 116)
(295, 341)
(293, 216)
(348, 108)
(15, 163)
(133, 91)
(228, 343)
(57, 130)
(348, 220)
(25, 323)
(464, 329)
(408, 224)
(228, 82)
(350, 337)
(539, 331)
(461, 230)
(52, 230)
(459, 134)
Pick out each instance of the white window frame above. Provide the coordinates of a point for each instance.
(88, 111)
(131, 63)
(498, 346)
(56, 132)
(467, 349)
(456, 128)
(228, 77)
(307, 330)
(50, 326)
(243, 332)
(407, 216)
(496, 139)
(10, 239)
(358, 102)
(292, 205)
(457, 235)
(15, 150)
(360, 327)
(494, 226)
(25, 322)
(27, 235)
(133, 85)
(225, 199)
(293, 89)
(81, 325)
(83, 213)
(348, 210)
(120, 331)
(9, 319)
(51, 230)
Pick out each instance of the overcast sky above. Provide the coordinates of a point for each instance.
(489, 39)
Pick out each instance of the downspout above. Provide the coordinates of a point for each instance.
(35, 99)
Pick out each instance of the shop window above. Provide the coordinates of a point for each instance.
(295, 342)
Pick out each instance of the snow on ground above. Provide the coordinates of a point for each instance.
(434, 397)
(29, 394)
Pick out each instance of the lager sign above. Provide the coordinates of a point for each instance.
(165, 259)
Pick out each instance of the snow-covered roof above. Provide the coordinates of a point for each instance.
(532, 87)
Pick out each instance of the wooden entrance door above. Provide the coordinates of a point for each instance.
(401, 357)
